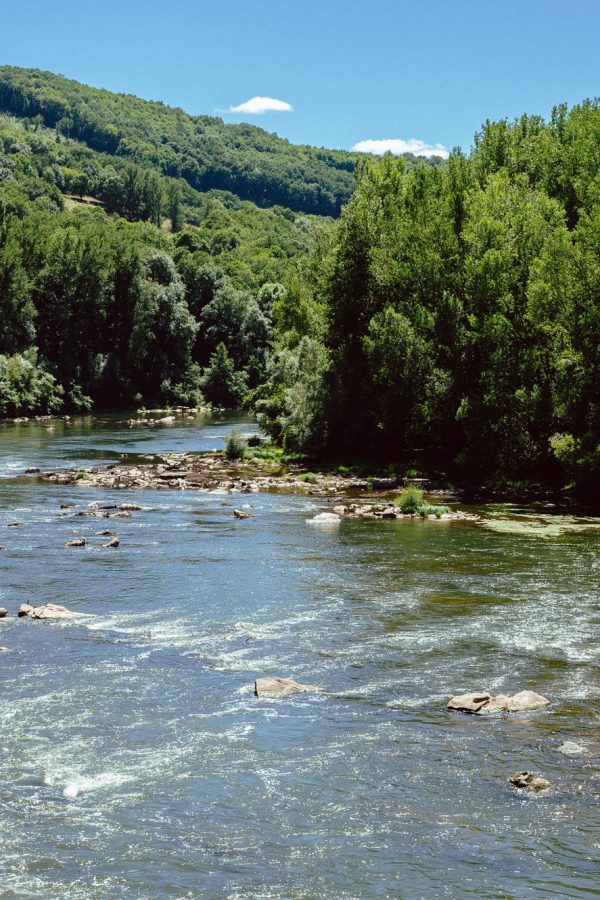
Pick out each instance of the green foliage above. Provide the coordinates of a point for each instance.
(26, 388)
(458, 310)
(309, 478)
(208, 154)
(409, 500)
(236, 445)
(431, 509)
(222, 385)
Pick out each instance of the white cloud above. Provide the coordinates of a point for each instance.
(256, 106)
(397, 145)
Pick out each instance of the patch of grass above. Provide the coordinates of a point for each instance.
(309, 478)
(411, 501)
(267, 453)
(431, 509)
(83, 476)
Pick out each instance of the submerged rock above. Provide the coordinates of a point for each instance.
(49, 611)
(129, 507)
(281, 686)
(530, 782)
(32, 470)
(325, 518)
(570, 748)
(78, 542)
(482, 703)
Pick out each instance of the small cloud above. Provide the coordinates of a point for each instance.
(397, 146)
(256, 106)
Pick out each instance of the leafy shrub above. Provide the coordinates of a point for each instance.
(26, 387)
(409, 500)
(309, 478)
(236, 445)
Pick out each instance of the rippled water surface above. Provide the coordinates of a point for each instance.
(137, 762)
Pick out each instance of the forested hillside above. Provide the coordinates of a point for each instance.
(147, 292)
(455, 319)
(202, 150)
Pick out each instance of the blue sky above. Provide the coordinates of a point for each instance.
(352, 70)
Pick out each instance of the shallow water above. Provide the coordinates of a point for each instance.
(138, 764)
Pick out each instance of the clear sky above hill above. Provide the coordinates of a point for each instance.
(352, 71)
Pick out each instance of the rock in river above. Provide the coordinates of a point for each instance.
(325, 518)
(482, 703)
(281, 686)
(112, 544)
(570, 748)
(3, 612)
(241, 515)
(49, 611)
(78, 542)
(529, 782)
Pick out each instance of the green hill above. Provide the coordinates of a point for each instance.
(243, 159)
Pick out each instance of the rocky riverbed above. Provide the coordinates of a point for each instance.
(354, 497)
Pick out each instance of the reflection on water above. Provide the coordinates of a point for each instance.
(138, 763)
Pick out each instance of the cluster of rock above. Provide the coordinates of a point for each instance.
(40, 418)
(48, 611)
(478, 703)
(483, 703)
(388, 511)
(83, 542)
(215, 473)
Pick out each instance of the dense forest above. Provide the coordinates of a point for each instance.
(136, 299)
(449, 320)
(455, 317)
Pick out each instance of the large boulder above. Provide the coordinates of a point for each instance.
(280, 686)
(49, 611)
(525, 700)
(469, 702)
(483, 703)
(3, 612)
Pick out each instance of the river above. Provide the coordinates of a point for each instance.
(137, 763)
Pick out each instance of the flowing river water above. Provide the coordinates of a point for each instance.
(137, 763)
